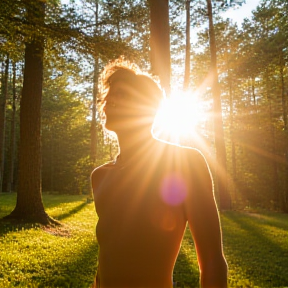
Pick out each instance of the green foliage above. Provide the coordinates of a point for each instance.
(255, 245)
(65, 136)
(252, 67)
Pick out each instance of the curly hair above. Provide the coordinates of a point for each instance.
(147, 87)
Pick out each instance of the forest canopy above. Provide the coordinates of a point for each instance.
(75, 40)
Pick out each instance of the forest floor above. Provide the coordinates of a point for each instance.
(255, 246)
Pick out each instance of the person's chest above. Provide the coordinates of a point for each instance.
(123, 190)
(129, 202)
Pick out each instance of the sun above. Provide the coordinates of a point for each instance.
(179, 117)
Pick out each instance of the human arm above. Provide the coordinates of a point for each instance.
(97, 177)
(203, 219)
(94, 180)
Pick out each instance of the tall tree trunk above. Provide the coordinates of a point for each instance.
(253, 91)
(233, 154)
(93, 148)
(29, 205)
(253, 94)
(52, 162)
(284, 201)
(221, 178)
(10, 178)
(3, 101)
(188, 46)
(160, 41)
(231, 117)
(93, 128)
(283, 96)
(274, 164)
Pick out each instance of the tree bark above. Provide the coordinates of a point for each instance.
(93, 128)
(10, 178)
(221, 181)
(3, 101)
(93, 148)
(233, 153)
(284, 201)
(160, 41)
(29, 205)
(188, 46)
(283, 97)
(274, 165)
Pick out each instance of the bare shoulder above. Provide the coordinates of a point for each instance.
(186, 157)
(191, 153)
(193, 167)
(196, 159)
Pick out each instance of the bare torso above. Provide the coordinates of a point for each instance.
(141, 218)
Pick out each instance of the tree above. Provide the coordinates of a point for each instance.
(3, 101)
(65, 132)
(93, 127)
(187, 48)
(29, 206)
(11, 160)
(225, 202)
(160, 41)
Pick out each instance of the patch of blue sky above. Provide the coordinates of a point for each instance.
(238, 13)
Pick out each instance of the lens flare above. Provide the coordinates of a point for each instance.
(173, 189)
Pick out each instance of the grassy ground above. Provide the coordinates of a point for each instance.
(256, 248)
(62, 257)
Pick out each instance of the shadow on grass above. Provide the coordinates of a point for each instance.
(51, 201)
(7, 226)
(250, 252)
(8, 201)
(10, 224)
(77, 271)
(275, 219)
(71, 212)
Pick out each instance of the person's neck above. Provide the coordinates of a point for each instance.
(133, 143)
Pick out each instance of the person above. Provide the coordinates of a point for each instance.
(145, 198)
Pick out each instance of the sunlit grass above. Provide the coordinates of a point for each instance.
(255, 245)
(58, 257)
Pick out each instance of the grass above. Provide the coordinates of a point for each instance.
(255, 245)
(256, 248)
(66, 256)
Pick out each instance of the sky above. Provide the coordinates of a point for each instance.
(237, 14)
(244, 11)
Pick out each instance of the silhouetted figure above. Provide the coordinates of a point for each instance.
(147, 196)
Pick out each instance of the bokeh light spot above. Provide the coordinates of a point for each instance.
(173, 189)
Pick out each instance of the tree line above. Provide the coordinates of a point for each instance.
(252, 67)
(57, 51)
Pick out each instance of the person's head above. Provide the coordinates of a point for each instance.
(129, 96)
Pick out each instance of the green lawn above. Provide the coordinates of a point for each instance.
(256, 248)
